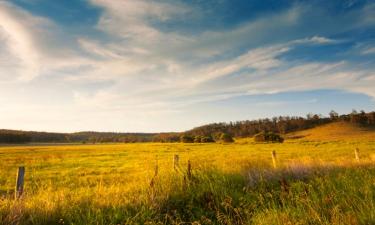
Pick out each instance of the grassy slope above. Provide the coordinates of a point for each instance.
(336, 131)
(316, 182)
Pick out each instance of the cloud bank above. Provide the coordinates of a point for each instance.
(144, 60)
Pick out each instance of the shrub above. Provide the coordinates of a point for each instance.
(268, 137)
(207, 139)
(260, 137)
(226, 138)
(186, 139)
(197, 139)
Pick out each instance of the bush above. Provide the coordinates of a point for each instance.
(268, 137)
(203, 139)
(197, 139)
(186, 139)
(207, 139)
(226, 138)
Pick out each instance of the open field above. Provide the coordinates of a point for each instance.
(314, 183)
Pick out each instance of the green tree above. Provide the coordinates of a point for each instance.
(186, 139)
(197, 139)
(207, 139)
(226, 138)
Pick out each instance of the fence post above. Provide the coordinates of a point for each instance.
(176, 160)
(156, 168)
(189, 169)
(274, 159)
(356, 154)
(20, 182)
(153, 180)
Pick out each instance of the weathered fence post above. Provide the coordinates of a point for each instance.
(189, 169)
(356, 154)
(20, 182)
(176, 160)
(274, 159)
(153, 180)
(156, 168)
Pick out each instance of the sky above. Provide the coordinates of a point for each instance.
(171, 65)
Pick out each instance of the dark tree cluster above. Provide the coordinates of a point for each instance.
(249, 128)
(110, 137)
(268, 137)
(166, 137)
(196, 139)
(12, 137)
(360, 117)
(281, 124)
(204, 134)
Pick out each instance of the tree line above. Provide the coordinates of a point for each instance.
(214, 132)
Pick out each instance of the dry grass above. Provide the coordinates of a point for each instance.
(338, 131)
(316, 182)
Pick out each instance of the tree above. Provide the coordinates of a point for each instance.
(268, 137)
(186, 139)
(260, 137)
(226, 138)
(354, 116)
(333, 115)
(207, 139)
(197, 139)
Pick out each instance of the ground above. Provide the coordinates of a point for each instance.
(314, 182)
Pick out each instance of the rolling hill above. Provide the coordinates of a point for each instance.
(335, 131)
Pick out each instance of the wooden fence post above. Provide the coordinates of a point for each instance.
(356, 154)
(20, 182)
(153, 180)
(156, 168)
(189, 169)
(176, 160)
(274, 159)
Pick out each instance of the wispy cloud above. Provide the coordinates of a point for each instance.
(140, 61)
(19, 42)
(370, 50)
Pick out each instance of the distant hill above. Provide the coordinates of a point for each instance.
(18, 136)
(335, 131)
(312, 127)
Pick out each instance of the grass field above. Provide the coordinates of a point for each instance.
(315, 182)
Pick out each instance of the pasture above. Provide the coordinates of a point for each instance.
(315, 182)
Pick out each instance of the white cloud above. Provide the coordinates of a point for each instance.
(367, 51)
(321, 40)
(18, 40)
(140, 70)
(30, 46)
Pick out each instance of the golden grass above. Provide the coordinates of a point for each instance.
(232, 183)
(337, 131)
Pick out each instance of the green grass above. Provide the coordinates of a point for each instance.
(315, 183)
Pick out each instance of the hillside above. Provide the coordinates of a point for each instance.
(335, 131)
(350, 126)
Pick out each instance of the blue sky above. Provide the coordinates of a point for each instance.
(171, 65)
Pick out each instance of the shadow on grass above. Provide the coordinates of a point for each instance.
(296, 194)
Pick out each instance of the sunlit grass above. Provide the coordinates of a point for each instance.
(314, 183)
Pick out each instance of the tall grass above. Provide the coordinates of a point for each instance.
(314, 183)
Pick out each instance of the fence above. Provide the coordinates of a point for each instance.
(20, 178)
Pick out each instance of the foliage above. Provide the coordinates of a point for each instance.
(226, 138)
(186, 139)
(268, 137)
(207, 139)
(197, 139)
(8, 136)
(281, 124)
(237, 129)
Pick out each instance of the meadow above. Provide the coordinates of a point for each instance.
(315, 182)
